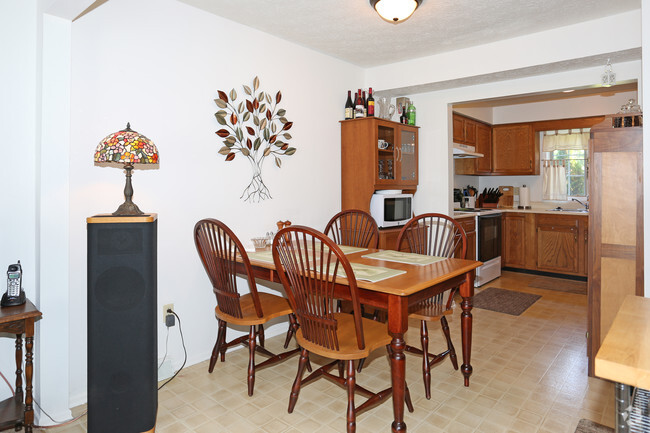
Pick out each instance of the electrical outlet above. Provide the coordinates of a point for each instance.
(165, 308)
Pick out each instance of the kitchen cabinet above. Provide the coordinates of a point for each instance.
(483, 145)
(513, 244)
(558, 244)
(469, 225)
(545, 242)
(464, 130)
(508, 150)
(366, 166)
(515, 150)
(616, 223)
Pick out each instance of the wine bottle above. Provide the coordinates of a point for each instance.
(365, 104)
(410, 113)
(402, 118)
(358, 106)
(371, 103)
(349, 107)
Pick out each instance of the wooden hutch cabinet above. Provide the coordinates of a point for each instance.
(616, 221)
(377, 154)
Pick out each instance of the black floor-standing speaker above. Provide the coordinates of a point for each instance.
(122, 341)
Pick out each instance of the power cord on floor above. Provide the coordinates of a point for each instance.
(70, 421)
(180, 329)
(58, 423)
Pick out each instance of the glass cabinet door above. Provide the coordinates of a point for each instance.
(386, 154)
(407, 156)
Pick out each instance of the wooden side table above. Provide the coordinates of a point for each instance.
(19, 320)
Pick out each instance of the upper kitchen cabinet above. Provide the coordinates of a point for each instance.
(482, 136)
(464, 130)
(510, 149)
(515, 150)
(376, 154)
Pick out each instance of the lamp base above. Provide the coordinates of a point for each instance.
(128, 208)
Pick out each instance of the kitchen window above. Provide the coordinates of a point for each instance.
(565, 164)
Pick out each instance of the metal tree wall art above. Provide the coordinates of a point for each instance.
(255, 128)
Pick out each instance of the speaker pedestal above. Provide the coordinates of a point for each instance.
(122, 333)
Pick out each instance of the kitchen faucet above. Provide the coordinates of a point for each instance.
(586, 205)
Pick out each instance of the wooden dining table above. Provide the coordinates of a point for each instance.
(395, 295)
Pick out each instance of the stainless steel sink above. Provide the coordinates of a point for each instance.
(560, 209)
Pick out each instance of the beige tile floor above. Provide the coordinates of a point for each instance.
(530, 375)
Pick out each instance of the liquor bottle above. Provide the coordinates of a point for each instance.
(358, 105)
(349, 107)
(365, 105)
(402, 118)
(410, 114)
(371, 104)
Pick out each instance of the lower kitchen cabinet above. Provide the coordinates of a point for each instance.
(558, 245)
(545, 242)
(469, 225)
(513, 245)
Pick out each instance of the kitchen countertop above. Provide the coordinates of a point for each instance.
(538, 208)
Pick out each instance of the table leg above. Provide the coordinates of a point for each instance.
(29, 371)
(467, 293)
(397, 326)
(19, 364)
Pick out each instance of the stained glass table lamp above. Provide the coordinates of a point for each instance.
(127, 149)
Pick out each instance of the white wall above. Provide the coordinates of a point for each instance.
(548, 110)
(162, 76)
(434, 118)
(590, 38)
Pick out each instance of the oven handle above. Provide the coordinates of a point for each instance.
(492, 215)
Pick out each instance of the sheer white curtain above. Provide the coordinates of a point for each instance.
(554, 180)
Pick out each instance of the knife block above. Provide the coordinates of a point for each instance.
(482, 204)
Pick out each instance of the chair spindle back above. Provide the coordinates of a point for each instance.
(219, 248)
(312, 264)
(353, 227)
(433, 234)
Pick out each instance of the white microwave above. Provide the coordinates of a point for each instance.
(391, 209)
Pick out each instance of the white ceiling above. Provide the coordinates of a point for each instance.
(352, 31)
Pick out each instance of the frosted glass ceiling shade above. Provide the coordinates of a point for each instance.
(395, 11)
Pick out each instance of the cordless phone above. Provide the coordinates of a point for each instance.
(15, 294)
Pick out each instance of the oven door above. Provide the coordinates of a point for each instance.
(489, 237)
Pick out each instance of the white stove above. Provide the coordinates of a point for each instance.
(488, 243)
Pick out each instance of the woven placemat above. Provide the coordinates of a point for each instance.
(586, 426)
(504, 301)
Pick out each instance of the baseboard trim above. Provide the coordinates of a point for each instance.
(546, 274)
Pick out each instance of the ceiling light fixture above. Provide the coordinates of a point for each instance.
(608, 78)
(395, 11)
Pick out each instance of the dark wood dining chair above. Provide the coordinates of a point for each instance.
(312, 266)
(223, 257)
(353, 227)
(438, 235)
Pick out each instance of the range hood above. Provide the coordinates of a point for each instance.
(465, 151)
